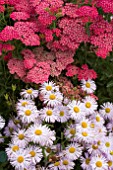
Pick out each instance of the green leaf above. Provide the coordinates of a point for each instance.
(110, 84)
(3, 156)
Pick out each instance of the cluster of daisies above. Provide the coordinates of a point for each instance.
(87, 130)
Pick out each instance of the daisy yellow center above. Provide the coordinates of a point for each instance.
(52, 97)
(76, 109)
(97, 119)
(15, 148)
(48, 88)
(88, 85)
(72, 149)
(111, 152)
(32, 153)
(88, 104)
(110, 163)
(72, 131)
(21, 136)
(61, 113)
(99, 164)
(87, 161)
(28, 112)
(107, 144)
(20, 159)
(49, 112)
(84, 124)
(94, 147)
(56, 163)
(48, 150)
(65, 162)
(107, 110)
(92, 125)
(11, 129)
(100, 130)
(84, 134)
(29, 91)
(99, 142)
(38, 132)
(24, 103)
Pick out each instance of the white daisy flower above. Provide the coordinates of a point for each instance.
(85, 135)
(48, 87)
(29, 93)
(107, 110)
(90, 105)
(97, 119)
(73, 151)
(55, 166)
(20, 137)
(107, 144)
(36, 153)
(99, 163)
(48, 114)
(83, 124)
(40, 134)
(48, 150)
(110, 155)
(28, 113)
(70, 131)
(62, 113)
(110, 164)
(23, 103)
(2, 122)
(31, 167)
(93, 148)
(67, 164)
(85, 162)
(20, 159)
(76, 110)
(53, 99)
(99, 131)
(88, 85)
(13, 147)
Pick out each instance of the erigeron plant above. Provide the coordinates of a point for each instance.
(62, 132)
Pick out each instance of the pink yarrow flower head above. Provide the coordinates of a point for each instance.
(19, 16)
(87, 13)
(27, 35)
(40, 73)
(72, 70)
(86, 73)
(8, 33)
(101, 36)
(16, 66)
(73, 33)
(27, 54)
(106, 5)
(29, 63)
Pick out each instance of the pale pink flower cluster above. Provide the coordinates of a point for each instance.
(38, 65)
